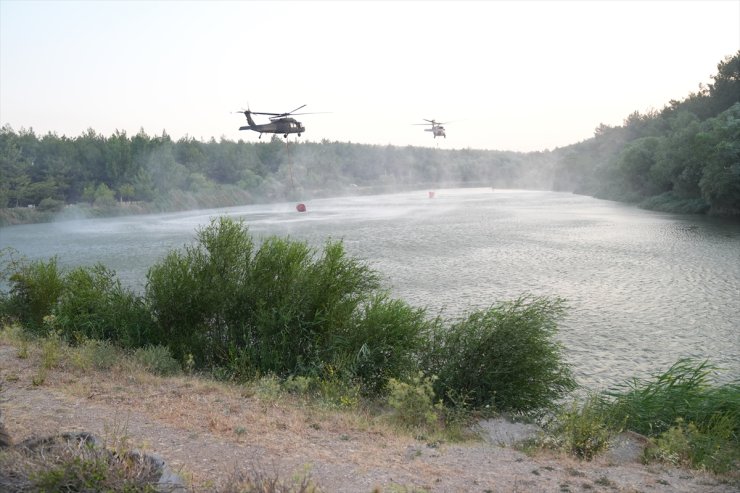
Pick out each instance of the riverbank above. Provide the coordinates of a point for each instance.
(208, 432)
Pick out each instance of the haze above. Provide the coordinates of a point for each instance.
(522, 76)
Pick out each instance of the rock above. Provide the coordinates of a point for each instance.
(627, 447)
(505, 433)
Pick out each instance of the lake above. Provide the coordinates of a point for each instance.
(643, 288)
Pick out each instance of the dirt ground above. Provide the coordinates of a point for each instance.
(206, 432)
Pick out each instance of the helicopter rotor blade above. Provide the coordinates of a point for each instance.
(291, 112)
(311, 113)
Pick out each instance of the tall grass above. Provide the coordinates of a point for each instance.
(651, 406)
(693, 420)
(689, 419)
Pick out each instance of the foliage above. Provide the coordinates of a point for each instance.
(280, 309)
(91, 353)
(49, 204)
(35, 288)
(690, 422)
(413, 401)
(86, 302)
(582, 429)
(94, 305)
(685, 158)
(504, 357)
(671, 202)
(651, 406)
(157, 360)
(720, 180)
(713, 446)
(382, 342)
(110, 172)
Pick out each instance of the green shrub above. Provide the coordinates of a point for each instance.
(674, 203)
(270, 310)
(86, 302)
(197, 295)
(35, 288)
(413, 401)
(301, 301)
(93, 305)
(693, 422)
(92, 353)
(713, 447)
(157, 360)
(504, 358)
(583, 429)
(383, 342)
(51, 205)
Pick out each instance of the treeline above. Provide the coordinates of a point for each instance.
(50, 172)
(683, 158)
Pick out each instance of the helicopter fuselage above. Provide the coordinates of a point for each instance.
(283, 126)
(437, 131)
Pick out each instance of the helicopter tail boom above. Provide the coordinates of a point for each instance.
(248, 114)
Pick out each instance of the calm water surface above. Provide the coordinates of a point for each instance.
(643, 288)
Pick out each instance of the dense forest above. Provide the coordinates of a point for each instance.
(683, 158)
(123, 173)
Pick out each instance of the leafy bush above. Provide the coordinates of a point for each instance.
(713, 447)
(413, 401)
(672, 202)
(196, 296)
(35, 288)
(383, 342)
(86, 302)
(691, 421)
(504, 357)
(93, 305)
(52, 205)
(275, 309)
(157, 360)
(583, 429)
(92, 353)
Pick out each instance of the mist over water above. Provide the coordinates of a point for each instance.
(643, 288)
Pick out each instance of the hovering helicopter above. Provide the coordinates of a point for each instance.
(280, 123)
(437, 129)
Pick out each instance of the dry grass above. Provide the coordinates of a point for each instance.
(212, 432)
(282, 423)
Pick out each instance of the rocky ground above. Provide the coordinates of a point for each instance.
(209, 432)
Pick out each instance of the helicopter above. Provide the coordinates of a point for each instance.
(280, 123)
(437, 129)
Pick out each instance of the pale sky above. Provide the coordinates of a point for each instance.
(509, 75)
